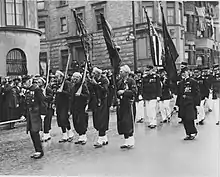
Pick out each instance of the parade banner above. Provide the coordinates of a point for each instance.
(155, 43)
(170, 52)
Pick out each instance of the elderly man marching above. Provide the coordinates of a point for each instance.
(126, 91)
(151, 93)
(99, 84)
(62, 101)
(79, 102)
(188, 97)
(34, 99)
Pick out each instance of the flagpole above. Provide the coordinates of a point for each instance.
(134, 40)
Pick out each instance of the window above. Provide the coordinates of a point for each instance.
(64, 58)
(180, 14)
(98, 19)
(63, 3)
(215, 33)
(80, 13)
(43, 63)
(16, 63)
(141, 48)
(63, 24)
(149, 5)
(42, 28)
(159, 14)
(14, 12)
(40, 4)
(170, 12)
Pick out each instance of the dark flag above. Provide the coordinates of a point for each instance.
(155, 44)
(111, 46)
(170, 52)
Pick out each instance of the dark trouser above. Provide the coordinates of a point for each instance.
(80, 121)
(189, 126)
(127, 135)
(35, 136)
(64, 128)
(102, 133)
(47, 121)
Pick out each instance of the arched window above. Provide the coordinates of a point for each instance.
(16, 62)
(14, 10)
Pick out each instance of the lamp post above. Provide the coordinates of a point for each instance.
(134, 37)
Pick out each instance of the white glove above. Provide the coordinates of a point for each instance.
(86, 108)
(23, 118)
(42, 117)
(158, 98)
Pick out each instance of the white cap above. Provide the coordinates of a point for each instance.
(77, 74)
(126, 69)
(95, 69)
(59, 73)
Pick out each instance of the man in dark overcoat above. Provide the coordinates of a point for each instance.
(34, 99)
(62, 101)
(100, 109)
(188, 97)
(79, 102)
(126, 91)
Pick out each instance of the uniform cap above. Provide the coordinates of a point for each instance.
(126, 69)
(59, 73)
(95, 69)
(77, 74)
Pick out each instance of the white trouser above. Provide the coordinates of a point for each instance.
(216, 109)
(150, 111)
(165, 109)
(139, 108)
(201, 111)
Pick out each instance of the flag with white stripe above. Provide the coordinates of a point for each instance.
(155, 43)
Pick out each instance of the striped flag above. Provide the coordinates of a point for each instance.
(155, 44)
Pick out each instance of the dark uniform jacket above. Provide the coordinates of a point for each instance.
(166, 92)
(151, 87)
(188, 97)
(125, 116)
(215, 84)
(203, 86)
(34, 99)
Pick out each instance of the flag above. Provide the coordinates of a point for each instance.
(170, 52)
(155, 44)
(111, 46)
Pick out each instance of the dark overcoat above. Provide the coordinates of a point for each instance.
(125, 115)
(34, 99)
(78, 105)
(62, 101)
(188, 97)
(100, 104)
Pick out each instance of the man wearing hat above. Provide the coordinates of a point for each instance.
(204, 92)
(33, 100)
(100, 109)
(151, 93)
(126, 92)
(165, 97)
(188, 97)
(62, 101)
(79, 102)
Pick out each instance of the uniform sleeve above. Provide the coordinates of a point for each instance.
(132, 91)
(159, 88)
(197, 98)
(103, 86)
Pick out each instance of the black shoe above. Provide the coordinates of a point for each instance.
(63, 140)
(98, 145)
(217, 123)
(152, 126)
(70, 139)
(80, 142)
(201, 122)
(124, 146)
(140, 120)
(187, 137)
(164, 121)
(210, 110)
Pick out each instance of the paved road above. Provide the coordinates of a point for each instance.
(158, 153)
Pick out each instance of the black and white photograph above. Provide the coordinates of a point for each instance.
(109, 88)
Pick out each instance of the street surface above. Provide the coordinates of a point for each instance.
(160, 152)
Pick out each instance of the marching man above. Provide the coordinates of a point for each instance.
(79, 101)
(127, 91)
(151, 94)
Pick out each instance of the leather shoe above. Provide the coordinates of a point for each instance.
(98, 145)
(38, 156)
(63, 140)
(124, 146)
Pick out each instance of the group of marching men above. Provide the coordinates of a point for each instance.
(28, 97)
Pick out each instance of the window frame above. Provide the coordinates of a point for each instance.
(171, 6)
(148, 4)
(180, 11)
(15, 14)
(98, 6)
(97, 24)
(62, 32)
(62, 4)
(40, 1)
(63, 67)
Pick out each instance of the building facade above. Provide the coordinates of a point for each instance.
(202, 37)
(59, 30)
(19, 38)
